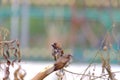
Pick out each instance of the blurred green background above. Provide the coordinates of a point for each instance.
(78, 25)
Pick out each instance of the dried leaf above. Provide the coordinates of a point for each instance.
(7, 53)
(8, 62)
(5, 57)
(18, 43)
(7, 73)
(16, 73)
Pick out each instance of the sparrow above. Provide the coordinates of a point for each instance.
(62, 61)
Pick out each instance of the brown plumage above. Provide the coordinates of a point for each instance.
(62, 61)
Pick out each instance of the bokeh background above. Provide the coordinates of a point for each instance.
(78, 25)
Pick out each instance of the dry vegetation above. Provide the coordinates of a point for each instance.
(10, 53)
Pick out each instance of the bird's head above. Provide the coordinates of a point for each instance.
(68, 56)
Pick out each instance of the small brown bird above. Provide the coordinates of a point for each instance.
(62, 61)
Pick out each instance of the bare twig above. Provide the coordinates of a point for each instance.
(58, 65)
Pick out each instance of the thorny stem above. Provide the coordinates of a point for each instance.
(105, 75)
(97, 52)
(88, 67)
(96, 77)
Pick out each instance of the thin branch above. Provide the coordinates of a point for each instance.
(105, 75)
(89, 66)
(96, 77)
